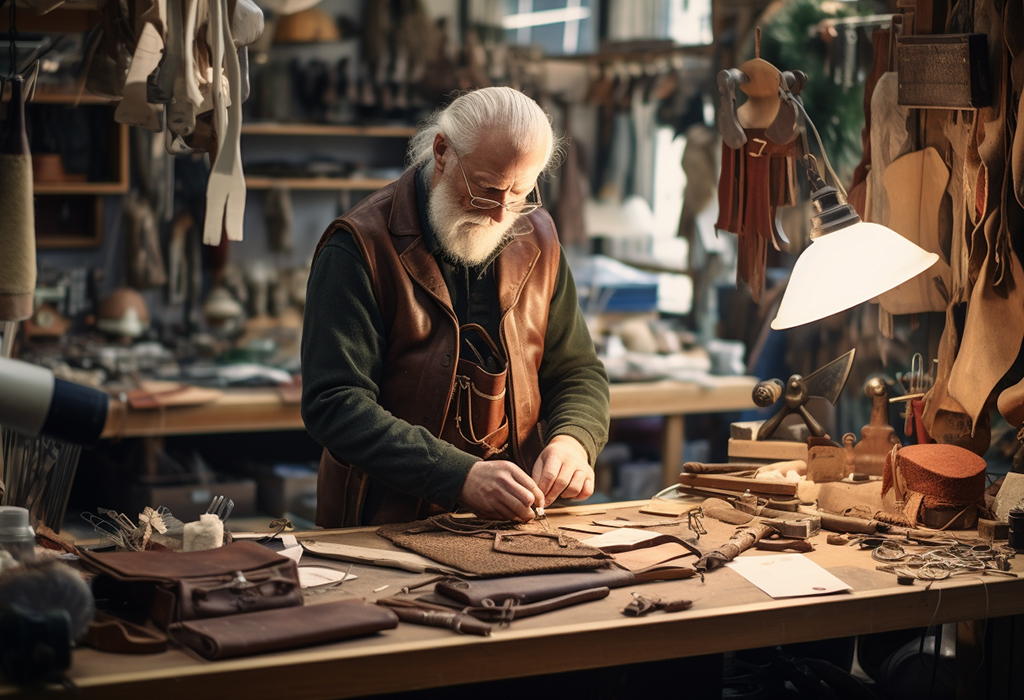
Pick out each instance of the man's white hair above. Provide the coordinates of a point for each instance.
(487, 110)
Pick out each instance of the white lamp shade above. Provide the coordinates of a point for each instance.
(848, 267)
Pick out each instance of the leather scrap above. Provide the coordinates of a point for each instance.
(641, 605)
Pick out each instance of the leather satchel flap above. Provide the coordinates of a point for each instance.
(213, 596)
(171, 566)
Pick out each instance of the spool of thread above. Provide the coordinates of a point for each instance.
(1016, 540)
(767, 392)
(18, 242)
(206, 533)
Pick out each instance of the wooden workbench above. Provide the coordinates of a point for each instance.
(728, 613)
(259, 410)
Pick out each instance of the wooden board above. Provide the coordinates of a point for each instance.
(739, 484)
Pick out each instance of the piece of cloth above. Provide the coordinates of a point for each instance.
(525, 551)
(380, 348)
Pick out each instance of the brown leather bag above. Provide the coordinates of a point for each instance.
(171, 586)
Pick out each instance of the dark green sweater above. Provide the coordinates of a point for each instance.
(344, 343)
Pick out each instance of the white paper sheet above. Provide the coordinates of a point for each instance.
(787, 575)
(294, 553)
(310, 576)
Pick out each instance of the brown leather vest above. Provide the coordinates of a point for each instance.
(422, 330)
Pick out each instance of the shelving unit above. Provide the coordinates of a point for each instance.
(81, 201)
(276, 129)
(341, 132)
(313, 183)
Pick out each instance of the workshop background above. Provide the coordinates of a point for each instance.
(128, 297)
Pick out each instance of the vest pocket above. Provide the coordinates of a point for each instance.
(475, 421)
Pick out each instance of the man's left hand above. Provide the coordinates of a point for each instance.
(563, 470)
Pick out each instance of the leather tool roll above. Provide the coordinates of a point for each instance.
(175, 586)
(276, 630)
(511, 610)
(530, 589)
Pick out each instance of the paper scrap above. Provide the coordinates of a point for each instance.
(787, 575)
(310, 576)
(294, 553)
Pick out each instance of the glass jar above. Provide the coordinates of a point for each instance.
(16, 535)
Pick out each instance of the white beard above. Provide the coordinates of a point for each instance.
(468, 238)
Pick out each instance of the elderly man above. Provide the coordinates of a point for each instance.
(445, 360)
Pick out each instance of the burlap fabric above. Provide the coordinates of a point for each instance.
(521, 549)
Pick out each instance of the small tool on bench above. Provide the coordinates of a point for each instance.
(641, 605)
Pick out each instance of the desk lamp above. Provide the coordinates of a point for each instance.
(848, 262)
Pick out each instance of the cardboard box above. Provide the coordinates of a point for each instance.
(188, 501)
(287, 489)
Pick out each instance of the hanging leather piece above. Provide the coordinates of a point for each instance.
(759, 175)
(1013, 36)
(890, 139)
(943, 417)
(915, 184)
(957, 130)
(994, 327)
(857, 197)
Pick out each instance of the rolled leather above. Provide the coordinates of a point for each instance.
(283, 628)
(531, 589)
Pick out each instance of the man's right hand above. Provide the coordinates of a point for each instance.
(499, 490)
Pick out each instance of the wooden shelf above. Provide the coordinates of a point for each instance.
(317, 183)
(80, 187)
(275, 129)
(68, 98)
(120, 166)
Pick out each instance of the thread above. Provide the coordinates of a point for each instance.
(206, 533)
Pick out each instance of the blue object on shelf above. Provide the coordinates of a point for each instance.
(605, 284)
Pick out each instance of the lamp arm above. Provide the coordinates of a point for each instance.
(821, 146)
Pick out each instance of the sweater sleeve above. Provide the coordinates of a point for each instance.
(573, 381)
(343, 346)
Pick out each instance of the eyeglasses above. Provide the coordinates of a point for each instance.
(523, 206)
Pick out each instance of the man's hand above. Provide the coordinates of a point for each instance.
(500, 490)
(563, 470)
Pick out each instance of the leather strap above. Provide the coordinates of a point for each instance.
(511, 610)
